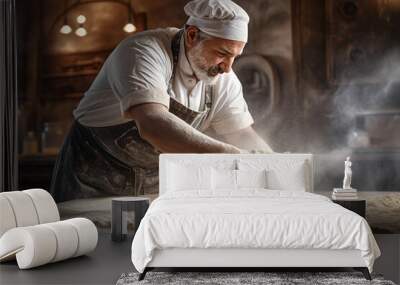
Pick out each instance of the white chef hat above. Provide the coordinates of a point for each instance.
(219, 18)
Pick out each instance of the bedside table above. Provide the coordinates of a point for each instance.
(358, 206)
(121, 207)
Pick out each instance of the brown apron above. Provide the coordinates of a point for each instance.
(115, 160)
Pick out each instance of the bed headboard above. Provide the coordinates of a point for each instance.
(284, 164)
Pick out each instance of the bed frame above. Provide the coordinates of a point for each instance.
(249, 259)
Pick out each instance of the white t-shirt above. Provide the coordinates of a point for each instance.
(138, 71)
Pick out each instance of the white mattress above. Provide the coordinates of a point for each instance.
(252, 218)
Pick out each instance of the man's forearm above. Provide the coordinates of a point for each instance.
(168, 133)
(247, 139)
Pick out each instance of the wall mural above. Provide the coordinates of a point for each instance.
(261, 85)
(69, 62)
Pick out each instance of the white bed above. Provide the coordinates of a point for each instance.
(202, 220)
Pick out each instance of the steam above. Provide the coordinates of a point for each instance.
(352, 99)
(379, 91)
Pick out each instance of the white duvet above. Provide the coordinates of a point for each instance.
(251, 218)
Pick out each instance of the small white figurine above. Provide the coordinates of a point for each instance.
(347, 174)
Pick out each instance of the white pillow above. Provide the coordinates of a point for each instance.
(252, 178)
(282, 174)
(292, 181)
(223, 179)
(182, 177)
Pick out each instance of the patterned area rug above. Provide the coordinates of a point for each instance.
(243, 278)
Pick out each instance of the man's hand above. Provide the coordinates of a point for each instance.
(168, 133)
(248, 139)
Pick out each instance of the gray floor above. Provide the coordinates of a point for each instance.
(111, 259)
(102, 266)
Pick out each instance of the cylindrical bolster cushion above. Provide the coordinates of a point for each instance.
(33, 246)
(46, 208)
(26, 208)
(23, 208)
(87, 234)
(7, 219)
(41, 244)
(67, 240)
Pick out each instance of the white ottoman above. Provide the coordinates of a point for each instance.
(31, 232)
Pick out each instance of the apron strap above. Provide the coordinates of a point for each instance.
(175, 45)
(209, 96)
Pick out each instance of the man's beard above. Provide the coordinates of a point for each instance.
(198, 62)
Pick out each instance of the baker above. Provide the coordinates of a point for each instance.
(159, 91)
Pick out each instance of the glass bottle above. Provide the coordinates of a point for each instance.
(52, 138)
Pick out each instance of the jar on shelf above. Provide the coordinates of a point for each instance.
(52, 138)
(358, 137)
(30, 144)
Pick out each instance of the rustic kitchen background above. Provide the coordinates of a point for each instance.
(319, 76)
